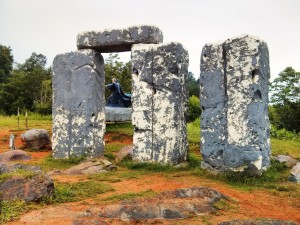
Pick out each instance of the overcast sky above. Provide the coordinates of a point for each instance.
(50, 27)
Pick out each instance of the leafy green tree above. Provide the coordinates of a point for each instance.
(193, 85)
(25, 88)
(285, 96)
(6, 62)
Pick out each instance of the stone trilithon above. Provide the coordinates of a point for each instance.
(234, 99)
(159, 97)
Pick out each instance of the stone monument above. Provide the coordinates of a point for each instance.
(159, 97)
(234, 99)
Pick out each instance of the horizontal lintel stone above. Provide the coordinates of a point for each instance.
(119, 40)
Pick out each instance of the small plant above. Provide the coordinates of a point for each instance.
(283, 134)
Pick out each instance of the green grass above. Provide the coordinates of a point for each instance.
(66, 192)
(193, 130)
(130, 195)
(34, 121)
(49, 163)
(124, 128)
(17, 173)
(286, 147)
(109, 177)
(11, 210)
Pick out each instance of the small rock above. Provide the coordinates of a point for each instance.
(14, 155)
(28, 189)
(288, 160)
(54, 172)
(257, 222)
(182, 165)
(105, 162)
(35, 138)
(85, 168)
(295, 173)
(125, 152)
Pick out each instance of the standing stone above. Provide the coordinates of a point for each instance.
(78, 104)
(234, 98)
(119, 40)
(159, 102)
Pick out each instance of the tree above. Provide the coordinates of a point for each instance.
(286, 87)
(193, 85)
(25, 88)
(285, 96)
(6, 61)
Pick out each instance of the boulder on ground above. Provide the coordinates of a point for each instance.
(180, 203)
(35, 139)
(288, 160)
(125, 152)
(90, 167)
(28, 189)
(257, 222)
(14, 155)
(295, 173)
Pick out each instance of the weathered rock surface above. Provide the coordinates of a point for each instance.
(119, 40)
(258, 222)
(295, 173)
(29, 189)
(90, 167)
(180, 203)
(35, 138)
(234, 100)
(159, 102)
(78, 104)
(115, 114)
(288, 160)
(14, 155)
(7, 168)
(125, 152)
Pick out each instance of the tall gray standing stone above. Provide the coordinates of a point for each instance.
(159, 102)
(234, 98)
(78, 104)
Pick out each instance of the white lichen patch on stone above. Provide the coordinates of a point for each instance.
(258, 163)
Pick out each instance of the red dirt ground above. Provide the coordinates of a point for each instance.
(243, 204)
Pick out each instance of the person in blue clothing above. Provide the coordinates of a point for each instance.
(118, 98)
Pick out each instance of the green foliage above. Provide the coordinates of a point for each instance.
(193, 85)
(11, 210)
(6, 61)
(70, 192)
(114, 68)
(285, 96)
(127, 196)
(124, 128)
(17, 173)
(28, 87)
(146, 166)
(283, 134)
(50, 163)
(193, 129)
(194, 108)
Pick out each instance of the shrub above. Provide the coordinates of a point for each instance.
(194, 108)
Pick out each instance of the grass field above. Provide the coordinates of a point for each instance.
(112, 186)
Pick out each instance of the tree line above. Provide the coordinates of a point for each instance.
(28, 86)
